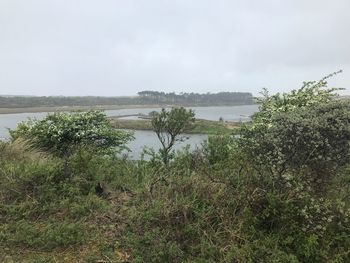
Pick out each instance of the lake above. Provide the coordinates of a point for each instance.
(147, 138)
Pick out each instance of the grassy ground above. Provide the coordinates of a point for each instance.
(51, 220)
(200, 126)
(97, 246)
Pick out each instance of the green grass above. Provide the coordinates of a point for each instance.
(213, 127)
(199, 127)
(47, 217)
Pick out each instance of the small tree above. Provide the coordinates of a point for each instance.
(62, 133)
(168, 125)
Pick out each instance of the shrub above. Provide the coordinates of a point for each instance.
(218, 148)
(61, 133)
(317, 139)
(305, 127)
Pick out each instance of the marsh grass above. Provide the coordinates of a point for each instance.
(199, 127)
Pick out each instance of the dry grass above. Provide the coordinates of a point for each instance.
(21, 149)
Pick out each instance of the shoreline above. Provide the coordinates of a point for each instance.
(40, 109)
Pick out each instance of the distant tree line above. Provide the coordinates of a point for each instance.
(221, 98)
(143, 98)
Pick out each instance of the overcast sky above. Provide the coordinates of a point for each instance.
(120, 47)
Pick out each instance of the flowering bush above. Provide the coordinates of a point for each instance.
(61, 133)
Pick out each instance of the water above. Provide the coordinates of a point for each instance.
(10, 121)
(227, 113)
(146, 138)
(149, 139)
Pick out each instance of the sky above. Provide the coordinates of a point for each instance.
(121, 47)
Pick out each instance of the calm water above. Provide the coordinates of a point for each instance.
(228, 113)
(149, 139)
(146, 138)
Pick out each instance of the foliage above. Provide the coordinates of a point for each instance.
(251, 218)
(318, 139)
(61, 133)
(267, 195)
(302, 128)
(312, 93)
(30, 184)
(278, 192)
(42, 210)
(218, 148)
(168, 125)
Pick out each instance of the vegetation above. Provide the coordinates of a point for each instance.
(46, 216)
(143, 98)
(306, 127)
(169, 125)
(62, 133)
(278, 192)
(199, 126)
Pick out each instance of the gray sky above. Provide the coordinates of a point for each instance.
(120, 47)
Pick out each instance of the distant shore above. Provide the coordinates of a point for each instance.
(75, 108)
(97, 107)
